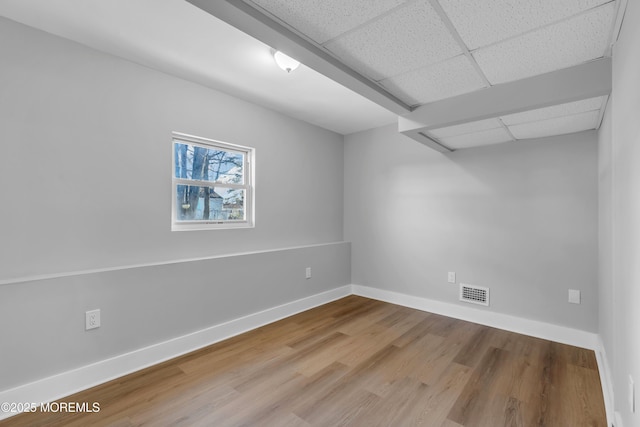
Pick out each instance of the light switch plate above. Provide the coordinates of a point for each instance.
(451, 277)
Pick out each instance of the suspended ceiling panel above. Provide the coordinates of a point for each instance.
(485, 22)
(477, 139)
(550, 48)
(556, 126)
(449, 78)
(397, 42)
(326, 19)
(465, 128)
(592, 104)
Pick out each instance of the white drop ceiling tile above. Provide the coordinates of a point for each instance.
(551, 48)
(481, 23)
(446, 79)
(560, 110)
(409, 38)
(556, 126)
(477, 139)
(322, 20)
(464, 128)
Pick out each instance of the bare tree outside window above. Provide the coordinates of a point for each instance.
(210, 181)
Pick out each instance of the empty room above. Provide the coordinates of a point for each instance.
(320, 213)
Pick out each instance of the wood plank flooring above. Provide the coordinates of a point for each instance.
(356, 362)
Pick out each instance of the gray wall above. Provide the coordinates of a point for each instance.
(42, 321)
(605, 235)
(620, 327)
(85, 179)
(87, 139)
(520, 218)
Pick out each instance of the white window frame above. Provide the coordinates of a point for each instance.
(248, 186)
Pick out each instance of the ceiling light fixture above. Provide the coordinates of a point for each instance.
(285, 62)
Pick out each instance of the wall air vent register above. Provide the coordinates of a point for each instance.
(474, 294)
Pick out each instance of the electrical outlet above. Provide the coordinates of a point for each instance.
(92, 319)
(451, 277)
(574, 296)
(308, 273)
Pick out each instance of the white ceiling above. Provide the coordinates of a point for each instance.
(419, 51)
(176, 37)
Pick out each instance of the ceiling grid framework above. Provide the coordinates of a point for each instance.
(426, 51)
(459, 39)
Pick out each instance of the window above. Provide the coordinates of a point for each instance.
(212, 184)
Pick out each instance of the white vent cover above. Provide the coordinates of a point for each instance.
(474, 294)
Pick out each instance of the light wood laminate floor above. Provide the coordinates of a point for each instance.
(356, 362)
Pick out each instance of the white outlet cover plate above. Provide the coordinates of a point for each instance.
(308, 273)
(451, 277)
(92, 319)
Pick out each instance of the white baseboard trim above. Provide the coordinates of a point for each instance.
(606, 381)
(507, 322)
(70, 382)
